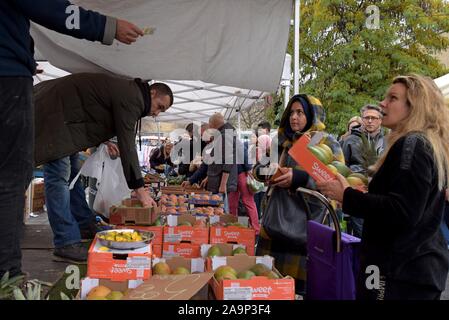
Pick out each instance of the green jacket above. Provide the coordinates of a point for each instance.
(83, 110)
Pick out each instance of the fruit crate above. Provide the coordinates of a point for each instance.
(206, 200)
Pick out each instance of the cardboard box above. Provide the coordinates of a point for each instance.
(130, 215)
(88, 284)
(198, 233)
(256, 288)
(232, 234)
(157, 250)
(37, 204)
(173, 287)
(185, 250)
(157, 230)
(118, 265)
(37, 189)
(178, 190)
(307, 160)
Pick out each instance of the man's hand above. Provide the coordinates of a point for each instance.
(203, 183)
(127, 32)
(113, 150)
(185, 184)
(144, 197)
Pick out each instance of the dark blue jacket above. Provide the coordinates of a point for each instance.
(16, 44)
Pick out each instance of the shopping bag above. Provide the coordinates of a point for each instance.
(111, 184)
(253, 185)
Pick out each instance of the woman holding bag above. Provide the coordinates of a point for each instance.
(286, 242)
(404, 205)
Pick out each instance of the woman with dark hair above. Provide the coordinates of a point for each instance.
(303, 114)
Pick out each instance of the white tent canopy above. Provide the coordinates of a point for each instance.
(209, 49)
(443, 84)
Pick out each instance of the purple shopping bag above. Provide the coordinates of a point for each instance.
(331, 275)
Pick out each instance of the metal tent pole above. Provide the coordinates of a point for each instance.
(296, 44)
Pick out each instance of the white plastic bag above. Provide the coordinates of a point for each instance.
(111, 183)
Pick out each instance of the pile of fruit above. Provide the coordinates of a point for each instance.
(210, 211)
(162, 268)
(171, 200)
(324, 153)
(228, 224)
(229, 273)
(121, 236)
(104, 293)
(175, 181)
(215, 251)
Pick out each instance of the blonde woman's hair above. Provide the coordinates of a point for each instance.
(428, 116)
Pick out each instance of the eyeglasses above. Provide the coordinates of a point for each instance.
(298, 113)
(370, 118)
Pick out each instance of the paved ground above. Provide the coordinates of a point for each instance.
(37, 248)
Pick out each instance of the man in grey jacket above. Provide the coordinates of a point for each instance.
(78, 112)
(219, 168)
(353, 145)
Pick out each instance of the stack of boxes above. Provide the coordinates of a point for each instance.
(37, 195)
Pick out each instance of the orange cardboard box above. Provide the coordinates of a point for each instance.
(157, 250)
(87, 284)
(232, 234)
(157, 230)
(129, 214)
(198, 233)
(314, 167)
(118, 265)
(256, 288)
(185, 250)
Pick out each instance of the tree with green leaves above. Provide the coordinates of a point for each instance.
(347, 60)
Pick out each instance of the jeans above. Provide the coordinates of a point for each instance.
(16, 166)
(445, 231)
(68, 211)
(247, 200)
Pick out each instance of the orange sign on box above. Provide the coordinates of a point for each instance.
(234, 235)
(314, 167)
(118, 265)
(185, 250)
(196, 232)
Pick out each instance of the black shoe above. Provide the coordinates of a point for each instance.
(73, 253)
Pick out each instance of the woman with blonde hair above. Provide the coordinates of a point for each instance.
(403, 253)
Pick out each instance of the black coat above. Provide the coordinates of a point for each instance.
(403, 212)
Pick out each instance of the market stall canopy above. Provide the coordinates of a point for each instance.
(443, 84)
(232, 43)
(193, 100)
